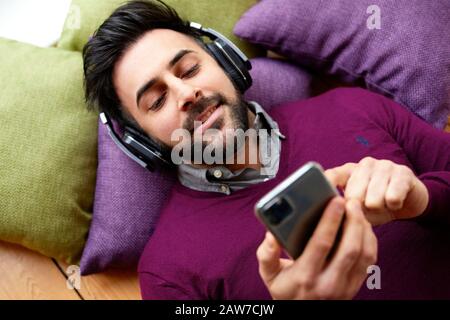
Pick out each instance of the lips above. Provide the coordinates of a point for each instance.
(206, 113)
(209, 117)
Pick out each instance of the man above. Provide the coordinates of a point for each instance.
(147, 69)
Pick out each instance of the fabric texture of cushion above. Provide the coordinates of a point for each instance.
(86, 16)
(405, 54)
(128, 198)
(48, 147)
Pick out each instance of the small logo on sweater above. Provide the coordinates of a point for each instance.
(363, 141)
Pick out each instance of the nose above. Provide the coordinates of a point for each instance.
(186, 94)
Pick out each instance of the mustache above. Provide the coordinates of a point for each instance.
(199, 106)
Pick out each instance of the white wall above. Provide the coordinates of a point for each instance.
(38, 22)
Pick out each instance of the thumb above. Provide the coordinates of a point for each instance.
(268, 255)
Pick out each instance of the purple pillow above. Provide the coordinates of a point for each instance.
(405, 54)
(128, 198)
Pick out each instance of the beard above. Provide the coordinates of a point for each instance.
(237, 111)
(237, 119)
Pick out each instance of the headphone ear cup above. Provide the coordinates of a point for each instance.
(146, 148)
(227, 65)
(141, 138)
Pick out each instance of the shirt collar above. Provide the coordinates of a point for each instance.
(200, 178)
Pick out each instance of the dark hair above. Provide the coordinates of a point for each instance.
(124, 27)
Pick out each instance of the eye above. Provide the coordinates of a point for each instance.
(191, 72)
(158, 103)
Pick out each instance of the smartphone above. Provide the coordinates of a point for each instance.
(292, 210)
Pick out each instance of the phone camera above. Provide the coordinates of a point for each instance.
(278, 211)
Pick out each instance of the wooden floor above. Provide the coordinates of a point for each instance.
(25, 274)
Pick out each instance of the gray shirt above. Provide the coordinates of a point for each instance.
(221, 179)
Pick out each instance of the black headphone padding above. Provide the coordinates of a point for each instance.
(234, 73)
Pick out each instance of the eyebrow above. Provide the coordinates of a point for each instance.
(144, 88)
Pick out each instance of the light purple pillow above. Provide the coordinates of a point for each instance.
(407, 58)
(128, 198)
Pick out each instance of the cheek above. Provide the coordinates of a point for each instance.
(217, 80)
(162, 128)
(228, 119)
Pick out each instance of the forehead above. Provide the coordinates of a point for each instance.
(153, 50)
(147, 58)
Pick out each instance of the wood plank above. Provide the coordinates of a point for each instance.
(25, 274)
(109, 285)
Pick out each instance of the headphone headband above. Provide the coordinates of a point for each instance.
(213, 34)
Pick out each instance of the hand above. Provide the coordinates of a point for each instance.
(387, 190)
(312, 276)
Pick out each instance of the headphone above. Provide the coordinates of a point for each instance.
(141, 148)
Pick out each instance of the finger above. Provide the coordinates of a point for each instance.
(268, 254)
(367, 258)
(339, 176)
(350, 247)
(318, 247)
(359, 180)
(398, 189)
(415, 203)
(378, 217)
(377, 187)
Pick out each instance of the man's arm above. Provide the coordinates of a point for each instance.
(427, 149)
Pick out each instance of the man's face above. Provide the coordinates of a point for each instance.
(166, 81)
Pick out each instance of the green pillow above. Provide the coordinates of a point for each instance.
(85, 16)
(48, 144)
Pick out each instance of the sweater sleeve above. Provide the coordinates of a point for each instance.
(428, 150)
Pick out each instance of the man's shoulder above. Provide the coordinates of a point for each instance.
(337, 95)
(184, 223)
(185, 226)
(345, 103)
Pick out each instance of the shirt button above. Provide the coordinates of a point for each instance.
(217, 173)
(223, 188)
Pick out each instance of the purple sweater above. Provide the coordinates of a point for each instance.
(205, 244)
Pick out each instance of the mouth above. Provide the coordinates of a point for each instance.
(206, 114)
(208, 117)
